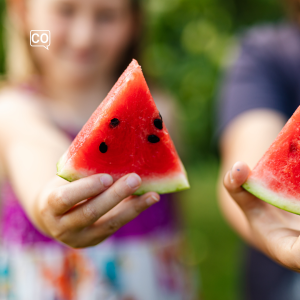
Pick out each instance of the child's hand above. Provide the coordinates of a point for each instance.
(62, 214)
(274, 231)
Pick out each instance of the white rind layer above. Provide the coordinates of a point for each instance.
(171, 183)
(168, 184)
(289, 204)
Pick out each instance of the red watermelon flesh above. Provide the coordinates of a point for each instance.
(276, 177)
(126, 134)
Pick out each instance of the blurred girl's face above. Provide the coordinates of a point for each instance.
(88, 37)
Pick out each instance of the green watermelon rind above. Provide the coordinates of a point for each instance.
(256, 188)
(164, 185)
(60, 169)
(60, 164)
(67, 173)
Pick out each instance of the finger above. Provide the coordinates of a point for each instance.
(120, 215)
(233, 183)
(268, 228)
(65, 197)
(125, 212)
(89, 212)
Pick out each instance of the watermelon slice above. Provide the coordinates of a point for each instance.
(276, 177)
(126, 134)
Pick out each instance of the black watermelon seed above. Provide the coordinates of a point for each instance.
(103, 147)
(114, 123)
(160, 116)
(153, 139)
(158, 123)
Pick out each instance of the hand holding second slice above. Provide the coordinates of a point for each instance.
(276, 181)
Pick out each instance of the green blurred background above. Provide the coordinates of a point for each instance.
(185, 48)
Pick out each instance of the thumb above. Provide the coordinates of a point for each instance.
(233, 181)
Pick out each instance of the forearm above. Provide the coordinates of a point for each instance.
(245, 139)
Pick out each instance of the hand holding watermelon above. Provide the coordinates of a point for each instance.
(125, 135)
(64, 213)
(272, 230)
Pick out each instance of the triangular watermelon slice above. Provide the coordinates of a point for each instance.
(126, 134)
(276, 177)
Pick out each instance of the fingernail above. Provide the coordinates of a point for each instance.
(106, 180)
(133, 181)
(152, 200)
(236, 168)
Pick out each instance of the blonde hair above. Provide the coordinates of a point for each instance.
(293, 9)
(19, 63)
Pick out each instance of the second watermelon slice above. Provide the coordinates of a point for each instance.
(126, 134)
(276, 177)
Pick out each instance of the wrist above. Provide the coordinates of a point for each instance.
(37, 213)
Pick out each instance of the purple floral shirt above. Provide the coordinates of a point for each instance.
(17, 228)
